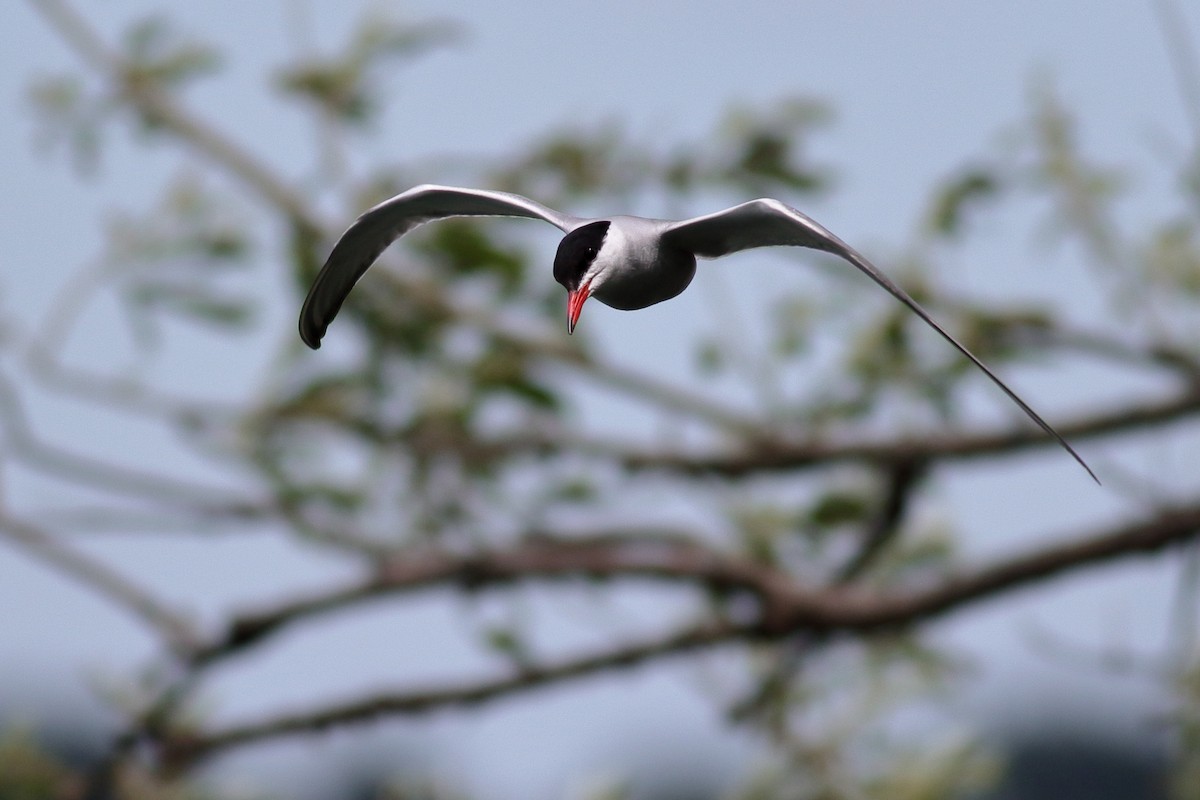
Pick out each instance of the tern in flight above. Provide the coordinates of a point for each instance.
(624, 262)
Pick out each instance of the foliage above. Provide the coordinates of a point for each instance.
(445, 444)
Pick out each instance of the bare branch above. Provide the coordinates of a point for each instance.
(23, 446)
(902, 480)
(660, 556)
(1182, 52)
(189, 749)
(783, 455)
(1102, 345)
(786, 606)
(171, 625)
(102, 518)
(786, 610)
(122, 395)
(1149, 535)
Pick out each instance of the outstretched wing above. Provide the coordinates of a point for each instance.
(765, 223)
(378, 227)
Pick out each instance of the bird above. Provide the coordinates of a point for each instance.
(625, 262)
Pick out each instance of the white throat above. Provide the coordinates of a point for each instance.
(613, 256)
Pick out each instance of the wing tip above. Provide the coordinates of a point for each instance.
(311, 333)
(1061, 440)
(1084, 464)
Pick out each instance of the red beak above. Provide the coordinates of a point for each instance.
(575, 302)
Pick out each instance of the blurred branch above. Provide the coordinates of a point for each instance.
(1153, 533)
(1181, 51)
(782, 455)
(124, 395)
(44, 347)
(155, 103)
(662, 555)
(902, 479)
(187, 749)
(1184, 364)
(26, 448)
(785, 610)
(209, 521)
(173, 627)
(1181, 362)
(786, 606)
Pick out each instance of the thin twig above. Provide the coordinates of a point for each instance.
(1094, 343)
(902, 480)
(171, 625)
(189, 749)
(25, 447)
(220, 150)
(537, 558)
(1182, 52)
(120, 394)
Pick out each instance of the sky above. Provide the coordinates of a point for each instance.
(918, 90)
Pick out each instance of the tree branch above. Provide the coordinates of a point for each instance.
(24, 446)
(172, 626)
(785, 606)
(902, 480)
(191, 748)
(145, 95)
(662, 555)
(1149, 535)
(787, 610)
(783, 455)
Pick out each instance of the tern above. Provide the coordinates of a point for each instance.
(623, 261)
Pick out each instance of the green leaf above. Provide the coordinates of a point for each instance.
(467, 248)
(766, 147)
(508, 642)
(343, 85)
(156, 53)
(839, 508)
(1172, 257)
(193, 303)
(67, 116)
(28, 772)
(710, 357)
(574, 490)
(504, 370)
(957, 196)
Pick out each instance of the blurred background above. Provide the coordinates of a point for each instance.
(174, 460)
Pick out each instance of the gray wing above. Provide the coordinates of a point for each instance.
(766, 223)
(378, 227)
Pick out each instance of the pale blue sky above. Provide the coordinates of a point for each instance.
(918, 88)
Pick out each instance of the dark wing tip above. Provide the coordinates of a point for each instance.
(311, 329)
(310, 338)
(1084, 464)
(1058, 437)
(331, 288)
